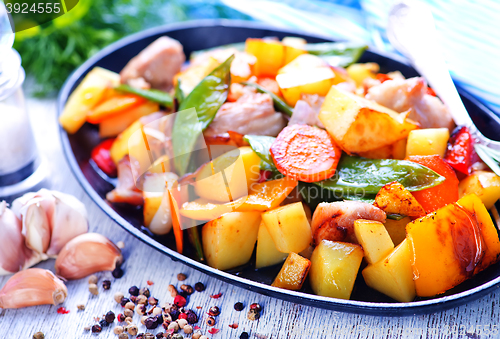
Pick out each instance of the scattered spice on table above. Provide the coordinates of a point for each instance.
(234, 325)
(149, 282)
(213, 331)
(210, 321)
(244, 335)
(239, 306)
(93, 279)
(214, 311)
(106, 284)
(181, 277)
(199, 287)
(134, 290)
(96, 329)
(216, 296)
(39, 335)
(93, 289)
(62, 310)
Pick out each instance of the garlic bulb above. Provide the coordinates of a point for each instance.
(68, 221)
(13, 252)
(34, 286)
(86, 254)
(50, 219)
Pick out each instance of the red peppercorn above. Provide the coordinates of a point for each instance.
(121, 317)
(183, 316)
(214, 311)
(256, 307)
(180, 301)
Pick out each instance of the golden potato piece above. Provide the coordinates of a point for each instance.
(374, 239)
(293, 273)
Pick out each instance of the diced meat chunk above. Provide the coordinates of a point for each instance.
(125, 191)
(334, 221)
(253, 113)
(411, 94)
(156, 64)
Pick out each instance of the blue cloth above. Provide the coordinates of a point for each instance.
(468, 31)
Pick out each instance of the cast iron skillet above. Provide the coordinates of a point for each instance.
(205, 34)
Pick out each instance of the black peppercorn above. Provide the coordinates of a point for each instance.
(159, 335)
(214, 311)
(244, 335)
(140, 336)
(159, 319)
(174, 313)
(192, 318)
(199, 287)
(187, 288)
(151, 323)
(124, 301)
(106, 284)
(184, 294)
(210, 321)
(256, 307)
(96, 329)
(239, 307)
(145, 292)
(110, 317)
(133, 299)
(134, 290)
(103, 323)
(117, 273)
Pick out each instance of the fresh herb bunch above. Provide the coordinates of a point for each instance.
(55, 49)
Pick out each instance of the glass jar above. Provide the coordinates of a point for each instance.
(18, 152)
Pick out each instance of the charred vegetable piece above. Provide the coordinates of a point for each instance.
(206, 98)
(279, 104)
(102, 157)
(161, 97)
(357, 175)
(460, 149)
(293, 273)
(305, 153)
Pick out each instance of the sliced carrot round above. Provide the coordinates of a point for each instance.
(305, 153)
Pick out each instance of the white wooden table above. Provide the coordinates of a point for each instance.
(279, 319)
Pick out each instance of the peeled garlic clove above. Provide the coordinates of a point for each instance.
(32, 287)
(13, 251)
(69, 220)
(36, 227)
(86, 254)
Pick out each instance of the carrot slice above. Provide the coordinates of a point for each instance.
(176, 222)
(305, 153)
(114, 105)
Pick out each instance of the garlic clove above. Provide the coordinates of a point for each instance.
(69, 220)
(31, 287)
(45, 198)
(13, 252)
(86, 254)
(36, 227)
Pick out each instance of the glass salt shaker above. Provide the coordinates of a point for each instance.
(20, 166)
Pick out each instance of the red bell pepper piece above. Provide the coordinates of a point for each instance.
(383, 77)
(430, 91)
(460, 150)
(443, 194)
(102, 157)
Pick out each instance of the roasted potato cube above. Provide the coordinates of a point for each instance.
(360, 125)
(359, 72)
(228, 241)
(393, 274)
(486, 185)
(394, 198)
(308, 81)
(293, 273)
(397, 229)
(428, 141)
(334, 267)
(374, 239)
(270, 56)
(240, 168)
(302, 63)
(86, 96)
(289, 228)
(396, 150)
(267, 254)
